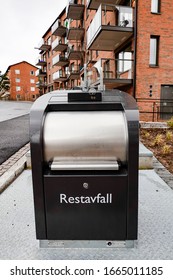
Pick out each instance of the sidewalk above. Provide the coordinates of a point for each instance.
(155, 223)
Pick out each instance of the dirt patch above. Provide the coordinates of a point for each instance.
(160, 142)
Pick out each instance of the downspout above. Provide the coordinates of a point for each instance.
(135, 47)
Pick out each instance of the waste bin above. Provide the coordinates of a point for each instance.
(84, 156)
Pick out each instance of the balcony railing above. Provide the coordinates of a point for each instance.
(111, 27)
(74, 72)
(112, 72)
(58, 29)
(60, 76)
(75, 52)
(57, 45)
(43, 46)
(40, 62)
(75, 31)
(40, 73)
(41, 84)
(60, 60)
(94, 4)
(75, 9)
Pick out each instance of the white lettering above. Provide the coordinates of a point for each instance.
(99, 198)
(63, 197)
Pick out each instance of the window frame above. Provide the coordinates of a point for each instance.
(158, 11)
(156, 51)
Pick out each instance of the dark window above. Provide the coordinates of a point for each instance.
(154, 50)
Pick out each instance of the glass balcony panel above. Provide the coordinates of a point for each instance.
(111, 27)
(57, 45)
(58, 29)
(59, 76)
(40, 62)
(113, 73)
(43, 46)
(60, 60)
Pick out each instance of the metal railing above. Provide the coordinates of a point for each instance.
(112, 69)
(155, 109)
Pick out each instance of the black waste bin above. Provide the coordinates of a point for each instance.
(84, 155)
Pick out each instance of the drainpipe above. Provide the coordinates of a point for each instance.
(135, 47)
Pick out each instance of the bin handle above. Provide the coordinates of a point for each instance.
(106, 165)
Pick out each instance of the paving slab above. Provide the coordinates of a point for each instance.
(17, 230)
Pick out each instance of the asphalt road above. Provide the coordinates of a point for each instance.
(14, 134)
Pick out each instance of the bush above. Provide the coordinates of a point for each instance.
(166, 149)
(158, 140)
(170, 123)
(169, 135)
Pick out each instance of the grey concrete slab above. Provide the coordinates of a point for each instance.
(17, 230)
(13, 109)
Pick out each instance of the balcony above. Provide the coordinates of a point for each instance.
(58, 46)
(75, 9)
(75, 31)
(60, 60)
(60, 76)
(40, 73)
(74, 72)
(44, 46)
(75, 53)
(41, 62)
(113, 73)
(41, 84)
(94, 4)
(111, 27)
(58, 29)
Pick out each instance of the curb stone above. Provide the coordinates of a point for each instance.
(13, 167)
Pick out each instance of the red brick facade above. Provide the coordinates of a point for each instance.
(23, 81)
(150, 77)
(146, 82)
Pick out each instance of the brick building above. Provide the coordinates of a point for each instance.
(23, 82)
(125, 44)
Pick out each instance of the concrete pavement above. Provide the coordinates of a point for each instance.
(13, 109)
(155, 222)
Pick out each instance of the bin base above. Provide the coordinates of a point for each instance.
(86, 244)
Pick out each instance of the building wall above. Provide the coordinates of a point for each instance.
(22, 82)
(148, 77)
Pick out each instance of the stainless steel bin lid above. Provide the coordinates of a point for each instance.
(85, 137)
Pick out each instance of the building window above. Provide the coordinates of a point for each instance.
(18, 88)
(155, 6)
(32, 88)
(32, 73)
(154, 50)
(17, 71)
(17, 80)
(33, 96)
(32, 81)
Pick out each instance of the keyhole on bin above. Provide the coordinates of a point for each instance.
(85, 185)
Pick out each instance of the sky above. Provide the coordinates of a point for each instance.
(22, 25)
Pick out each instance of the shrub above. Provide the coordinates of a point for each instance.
(170, 122)
(169, 135)
(166, 149)
(158, 140)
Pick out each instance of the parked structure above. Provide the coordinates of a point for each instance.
(23, 82)
(124, 46)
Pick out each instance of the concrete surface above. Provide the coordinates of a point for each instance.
(13, 109)
(17, 230)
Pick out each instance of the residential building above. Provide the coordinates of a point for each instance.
(23, 81)
(125, 44)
